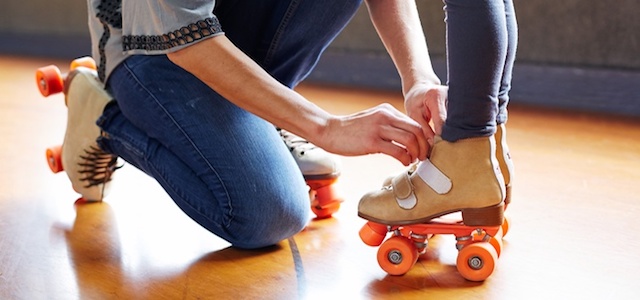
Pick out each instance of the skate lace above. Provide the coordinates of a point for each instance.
(295, 142)
(97, 166)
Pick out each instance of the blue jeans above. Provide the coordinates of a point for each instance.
(227, 169)
(482, 36)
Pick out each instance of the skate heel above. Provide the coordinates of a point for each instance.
(485, 216)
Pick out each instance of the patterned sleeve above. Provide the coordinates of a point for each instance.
(163, 26)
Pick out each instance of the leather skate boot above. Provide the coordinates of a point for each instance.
(463, 176)
(89, 168)
(314, 162)
(504, 159)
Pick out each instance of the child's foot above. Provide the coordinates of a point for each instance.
(89, 168)
(460, 176)
(314, 162)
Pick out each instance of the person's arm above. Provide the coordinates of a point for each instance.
(398, 25)
(228, 71)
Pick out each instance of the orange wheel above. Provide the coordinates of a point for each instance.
(49, 80)
(54, 159)
(373, 234)
(477, 261)
(397, 255)
(505, 226)
(496, 242)
(324, 202)
(86, 62)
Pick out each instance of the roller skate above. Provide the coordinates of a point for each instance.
(503, 156)
(459, 190)
(90, 169)
(320, 170)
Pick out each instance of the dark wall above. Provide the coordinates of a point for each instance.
(576, 54)
(584, 33)
(572, 54)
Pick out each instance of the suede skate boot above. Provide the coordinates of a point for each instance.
(502, 154)
(463, 176)
(89, 168)
(504, 159)
(314, 162)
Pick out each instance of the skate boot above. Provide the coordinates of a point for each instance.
(502, 154)
(90, 169)
(463, 176)
(504, 160)
(320, 170)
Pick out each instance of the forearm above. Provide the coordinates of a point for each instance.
(233, 75)
(398, 25)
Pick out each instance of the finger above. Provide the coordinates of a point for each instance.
(407, 132)
(395, 151)
(423, 120)
(437, 107)
(438, 123)
(403, 139)
(438, 118)
(426, 131)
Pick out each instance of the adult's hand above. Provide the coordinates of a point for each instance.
(427, 103)
(381, 129)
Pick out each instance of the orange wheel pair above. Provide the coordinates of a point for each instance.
(50, 80)
(324, 201)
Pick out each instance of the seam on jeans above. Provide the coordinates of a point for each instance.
(293, 6)
(230, 213)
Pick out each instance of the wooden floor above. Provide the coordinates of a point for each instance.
(575, 220)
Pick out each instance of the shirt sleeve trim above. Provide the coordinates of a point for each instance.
(183, 36)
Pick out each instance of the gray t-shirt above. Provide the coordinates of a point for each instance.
(120, 28)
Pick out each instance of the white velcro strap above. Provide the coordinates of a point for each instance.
(403, 191)
(433, 177)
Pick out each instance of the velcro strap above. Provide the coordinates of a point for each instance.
(433, 177)
(403, 191)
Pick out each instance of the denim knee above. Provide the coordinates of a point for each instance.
(273, 226)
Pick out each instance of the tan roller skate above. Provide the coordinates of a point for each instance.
(90, 169)
(463, 176)
(320, 170)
